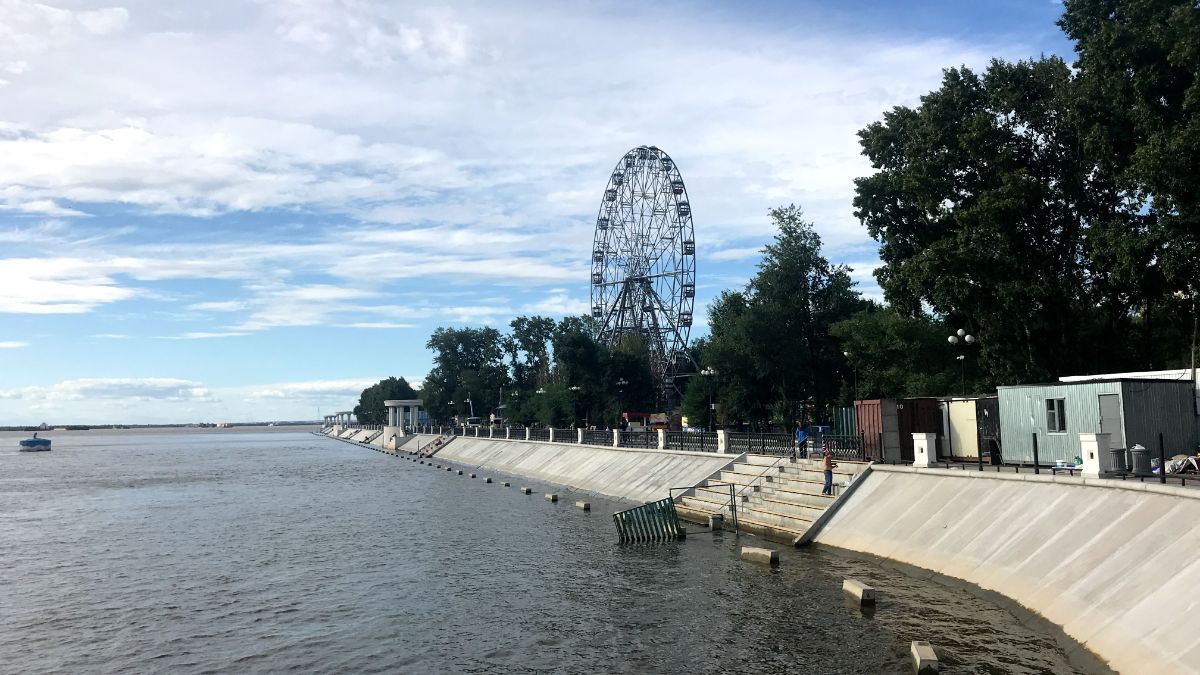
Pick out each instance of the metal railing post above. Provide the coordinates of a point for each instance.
(1035, 455)
(1162, 460)
(733, 509)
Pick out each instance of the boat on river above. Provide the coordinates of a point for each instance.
(34, 444)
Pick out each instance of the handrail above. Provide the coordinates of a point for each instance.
(732, 503)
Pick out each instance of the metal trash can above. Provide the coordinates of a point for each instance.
(1120, 462)
(1141, 460)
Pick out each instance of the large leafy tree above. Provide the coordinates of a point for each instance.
(892, 355)
(468, 372)
(370, 408)
(991, 214)
(775, 359)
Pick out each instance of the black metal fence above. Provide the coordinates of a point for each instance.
(597, 437)
(655, 521)
(639, 439)
(539, 434)
(845, 447)
(704, 441)
(760, 443)
(566, 435)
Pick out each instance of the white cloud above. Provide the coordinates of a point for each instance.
(745, 253)
(12, 344)
(55, 286)
(126, 388)
(202, 335)
(313, 390)
(103, 21)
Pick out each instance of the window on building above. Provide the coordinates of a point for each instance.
(1056, 414)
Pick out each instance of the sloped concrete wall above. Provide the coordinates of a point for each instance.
(627, 473)
(1115, 563)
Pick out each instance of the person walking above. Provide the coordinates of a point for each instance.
(829, 465)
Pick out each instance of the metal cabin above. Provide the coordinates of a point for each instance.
(970, 423)
(1131, 411)
(887, 425)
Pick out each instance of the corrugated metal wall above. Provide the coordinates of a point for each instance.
(1023, 412)
(1151, 408)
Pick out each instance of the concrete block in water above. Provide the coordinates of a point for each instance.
(487, 480)
(716, 522)
(551, 497)
(864, 594)
(472, 475)
(924, 658)
(763, 555)
(526, 491)
(505, 483)
(586, 506)
(460, 472)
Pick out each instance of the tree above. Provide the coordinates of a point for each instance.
(467, 367)
(990, 213)
(770, 345)
(370, 408)
(895, 356)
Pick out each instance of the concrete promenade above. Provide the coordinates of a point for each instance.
(1115, 563)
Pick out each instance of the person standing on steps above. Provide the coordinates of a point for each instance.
(829, 465)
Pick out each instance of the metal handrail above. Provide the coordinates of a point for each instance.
(732, 503)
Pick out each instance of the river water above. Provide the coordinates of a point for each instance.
(127, 551)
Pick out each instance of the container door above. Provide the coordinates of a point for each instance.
(1110, 420)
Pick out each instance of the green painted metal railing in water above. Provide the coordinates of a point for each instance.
(654, 521)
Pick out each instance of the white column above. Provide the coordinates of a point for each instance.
(551, 434)
(616, 438)
(924, 450)
(662, 439)
(722, 442)
(579, 436)
(1096, 459)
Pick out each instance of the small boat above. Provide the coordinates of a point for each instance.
(34, 444)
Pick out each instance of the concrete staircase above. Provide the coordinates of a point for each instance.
(778, 498)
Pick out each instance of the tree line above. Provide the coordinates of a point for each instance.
(1049, 209)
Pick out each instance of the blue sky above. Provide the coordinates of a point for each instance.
(251, 210)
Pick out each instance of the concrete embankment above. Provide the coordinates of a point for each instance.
(627, 473)
(1112, 562)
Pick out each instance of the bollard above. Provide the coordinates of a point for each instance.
(716, 522)
(586, 506)
(460, 472)
(924, 658)
(526, 491)
(763, 555)
(506, 483)
(864, 594)
(487, 480)
(551, 497)
(1035, 455)
(1162, 455)
(472, 475)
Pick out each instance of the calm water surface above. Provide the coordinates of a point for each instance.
(256, 552)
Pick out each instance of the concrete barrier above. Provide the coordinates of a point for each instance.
(487, 480)
(586, 506)
(923, 657)
(864, 594)
(627, 473)
(768, 556)
(506, 483)
(526, 491)
(1096, 557)
(551, 497)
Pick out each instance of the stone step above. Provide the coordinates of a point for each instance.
(771, 527)
(819, 473)
(766, 460)
(779, 519)
(784, 506)
(787, 493)
(738, 477)
(703, 505)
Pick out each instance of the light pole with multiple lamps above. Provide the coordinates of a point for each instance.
(855, 369)
(574, 406)
(621, 398)
(709, 374)
(966, 339)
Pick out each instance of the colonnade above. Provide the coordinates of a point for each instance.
(339, 419)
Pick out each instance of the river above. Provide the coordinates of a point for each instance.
(274, 550)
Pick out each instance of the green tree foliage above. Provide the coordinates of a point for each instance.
(990, 213)
(775, 359)
(370, 408)
(467, 375)
(891, 355)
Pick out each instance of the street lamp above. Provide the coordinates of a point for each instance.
(574, 407)
(709, 374)
(855, 369)
(621, 398)
(967, 339)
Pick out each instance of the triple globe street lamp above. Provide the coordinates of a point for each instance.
(709, 373)
(966, 339)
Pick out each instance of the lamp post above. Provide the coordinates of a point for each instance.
(574, 406)
(855, 369)
(966, 339)
(620, 398)
(709, 374)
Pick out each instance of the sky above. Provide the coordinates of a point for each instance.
(252, 209)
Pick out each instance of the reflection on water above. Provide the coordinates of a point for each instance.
(195, 552)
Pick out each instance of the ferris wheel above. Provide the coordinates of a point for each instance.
(644, 258)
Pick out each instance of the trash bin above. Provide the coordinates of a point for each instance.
(1141, 460)
(1119, 463)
